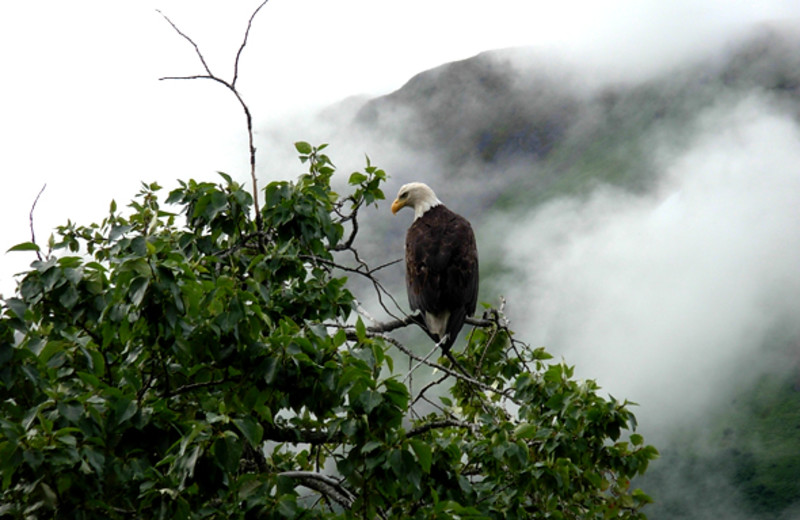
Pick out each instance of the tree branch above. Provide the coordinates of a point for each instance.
(365, 271)
(232, 87)
(30, 219)
(194, 386)
(352, 216)
(478, 322)
(324, 484)
(244, 42)
(196, 48)
(444, 423)
(396, 324)
(425, 388)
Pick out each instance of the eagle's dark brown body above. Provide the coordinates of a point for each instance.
(442, 271)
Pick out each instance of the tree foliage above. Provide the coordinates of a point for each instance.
(164, 366)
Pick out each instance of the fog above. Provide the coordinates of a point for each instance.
(666, 298)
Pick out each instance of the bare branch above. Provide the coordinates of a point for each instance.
(380, 328)
(383, 266)
(198, 76)
(244, 42)
(232, 87)
(426, 388)
(194, 386)
(353, 232)
(396, 324)
(435, 405)
(324, 484)
(364, 312)
(30, 219)
(419, 363)
(444, 423)
(352, 217)
(365, 271)
(196, 48)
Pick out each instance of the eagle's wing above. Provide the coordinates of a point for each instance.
(442, 267)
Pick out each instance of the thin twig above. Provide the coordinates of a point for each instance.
(419, 363)
(383, 266)
(194, 386)
(366, 272)
(428, 387)
(353, 230)
(244, 42)
(196, 48)
(30, 218)
(435, 405)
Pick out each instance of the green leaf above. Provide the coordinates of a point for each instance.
(357, 178)
(370, 446)
(24, 246)
(287, 506)
(50, 349)
(303, 147)
(138, 288)
(424, 454)
(17, 306)
(227, 451)
(124, 409)
(225, 176)
(361, 330)
(251, 429)
(70, 411)
(369, 399)
(69, 297)
(525, 431)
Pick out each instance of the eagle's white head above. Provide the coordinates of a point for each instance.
(416, 195)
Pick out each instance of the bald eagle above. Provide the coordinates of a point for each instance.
(441, 263)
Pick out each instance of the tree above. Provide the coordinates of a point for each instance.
(214, 370)
(216, 365)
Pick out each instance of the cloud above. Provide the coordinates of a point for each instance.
(665, 298)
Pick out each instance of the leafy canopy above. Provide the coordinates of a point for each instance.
(205, 367)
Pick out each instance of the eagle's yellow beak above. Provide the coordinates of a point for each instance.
(397, 205)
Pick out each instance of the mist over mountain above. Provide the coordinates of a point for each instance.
(646, 230)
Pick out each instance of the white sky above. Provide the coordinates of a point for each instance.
(82, 109)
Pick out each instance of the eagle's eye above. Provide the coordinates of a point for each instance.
(404, 195)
